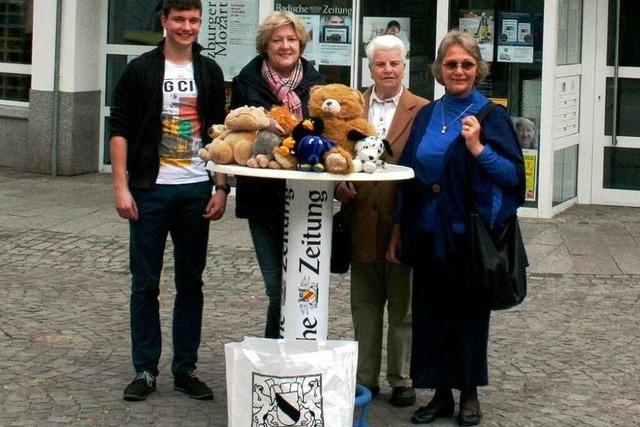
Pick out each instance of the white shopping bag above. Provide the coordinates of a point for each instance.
(273, 383)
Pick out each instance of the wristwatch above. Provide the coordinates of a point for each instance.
(224, 187)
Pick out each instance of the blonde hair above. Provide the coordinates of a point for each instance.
(468, 43)
(276, 20)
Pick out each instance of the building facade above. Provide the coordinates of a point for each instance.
(568, 71)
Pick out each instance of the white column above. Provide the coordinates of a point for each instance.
(308, 221)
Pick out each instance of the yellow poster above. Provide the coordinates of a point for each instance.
(530, 173)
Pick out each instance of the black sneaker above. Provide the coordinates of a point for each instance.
(190, 385)
(142, 385)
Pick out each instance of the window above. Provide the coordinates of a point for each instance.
(135, 22)
(16, 29)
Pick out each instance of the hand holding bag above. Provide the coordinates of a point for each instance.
(495, 262)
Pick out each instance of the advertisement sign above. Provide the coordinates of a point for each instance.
(329, 24)
(480, 24)
(306, 256)
(515, 37)
(531, 175)
(373, 26)
(228, 33)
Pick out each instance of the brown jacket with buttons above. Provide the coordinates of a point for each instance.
(371, 213)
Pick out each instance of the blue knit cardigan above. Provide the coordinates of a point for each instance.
(499, 135)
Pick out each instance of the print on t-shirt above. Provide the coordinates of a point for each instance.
(181, 128)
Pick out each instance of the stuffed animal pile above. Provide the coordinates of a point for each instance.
(335, 138)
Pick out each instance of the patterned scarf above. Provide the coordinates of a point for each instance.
(283, 88)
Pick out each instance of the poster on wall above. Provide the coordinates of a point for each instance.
(527, 132)
(480, 24)
(373, 26)
(228, 33)
(515, 37)
(530, 173)
(330, 26)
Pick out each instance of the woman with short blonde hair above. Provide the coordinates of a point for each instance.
(278, 75)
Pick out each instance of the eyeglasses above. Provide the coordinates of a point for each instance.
(453, 65)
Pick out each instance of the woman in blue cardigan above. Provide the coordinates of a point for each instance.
(450, 329)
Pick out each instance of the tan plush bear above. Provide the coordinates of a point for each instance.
(233, 141)
(341, 108)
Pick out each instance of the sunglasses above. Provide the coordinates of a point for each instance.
(453, 65)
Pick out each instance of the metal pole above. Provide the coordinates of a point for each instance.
(616, 67)
(56, 92)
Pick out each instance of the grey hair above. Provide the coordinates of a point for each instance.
(468, 43)
(386, 42)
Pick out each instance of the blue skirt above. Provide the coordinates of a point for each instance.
(450, 332)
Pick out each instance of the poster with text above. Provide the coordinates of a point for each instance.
(373, 26)
(480, 24)
(530, 173)
(515, 38)
(228, 33)
(330, 25)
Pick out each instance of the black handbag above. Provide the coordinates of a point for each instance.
(340, 243)
(496, 265)
(496, 261)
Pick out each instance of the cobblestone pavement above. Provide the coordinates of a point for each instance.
(568, 356)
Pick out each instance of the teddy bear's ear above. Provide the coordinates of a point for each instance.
(314, 88)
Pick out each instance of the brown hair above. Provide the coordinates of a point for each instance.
(468, 43)
(167, 5)
(276, 20)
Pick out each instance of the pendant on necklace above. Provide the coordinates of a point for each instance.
(443, 130)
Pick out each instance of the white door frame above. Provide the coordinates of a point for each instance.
(599, 194)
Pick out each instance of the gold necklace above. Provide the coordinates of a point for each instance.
(445, 126)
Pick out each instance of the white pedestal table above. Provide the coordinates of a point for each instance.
(306, 251)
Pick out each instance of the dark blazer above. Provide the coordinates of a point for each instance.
(371, 213)
(257, 197)
(136, 109)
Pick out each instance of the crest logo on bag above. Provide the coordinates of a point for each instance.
(287, 401)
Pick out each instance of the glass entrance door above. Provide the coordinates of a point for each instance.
(616, 150)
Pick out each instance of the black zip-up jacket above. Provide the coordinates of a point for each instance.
(260, 197)
(136, 109)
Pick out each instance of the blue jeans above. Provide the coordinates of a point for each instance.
(163, 210)
(267, 241)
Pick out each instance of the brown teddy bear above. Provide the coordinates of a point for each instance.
(267, 140)
(233, 141)
(341, 108)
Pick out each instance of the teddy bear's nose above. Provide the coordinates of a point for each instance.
(370, 157)
(329, 102)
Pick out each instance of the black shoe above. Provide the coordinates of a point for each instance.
(142, 385)
(442, 405)
(470, 413)
(403, 396)
(190, 385)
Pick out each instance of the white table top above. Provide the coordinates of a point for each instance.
(390, 173)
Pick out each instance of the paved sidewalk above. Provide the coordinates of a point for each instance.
(568, 356)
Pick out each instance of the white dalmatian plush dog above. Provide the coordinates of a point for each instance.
(369, 150)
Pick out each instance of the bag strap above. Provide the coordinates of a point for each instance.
(469, 199)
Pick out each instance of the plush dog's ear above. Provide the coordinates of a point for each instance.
(355, 135)
(387, 147)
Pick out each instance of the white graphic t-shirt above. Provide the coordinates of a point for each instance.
(181, 127)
